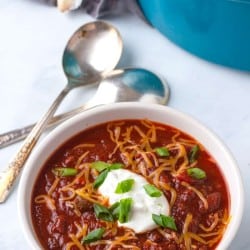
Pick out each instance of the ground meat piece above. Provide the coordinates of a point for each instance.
(53, 243)
(83, 205)
(187, 196)
(170, 246)
(60, 224)
(164, 178)
(201, 208)
(214, 201)
(184, 204)
(194, 225)
(155, 236)
(69, 160)
(148, 246)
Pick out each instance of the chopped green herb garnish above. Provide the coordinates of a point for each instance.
(63, 172)
(104, 168)
(114, 166)
(124, 186)
(162, 151)
(164, 221)
(93, 236)
(194, 153)
(124, 211)
(118, 211)
(103, 213)
(101, 165)
(101, 178)
(115, 210)
(152, 190)
(196, 173)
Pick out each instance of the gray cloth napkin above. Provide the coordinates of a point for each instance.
(100, 8)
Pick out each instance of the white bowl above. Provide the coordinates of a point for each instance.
(133, 110)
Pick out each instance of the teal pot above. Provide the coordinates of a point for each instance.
(216, 30)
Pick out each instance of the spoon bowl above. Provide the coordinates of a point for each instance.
(83, 64)
(92, 51)
(130, 84)
(121, 85)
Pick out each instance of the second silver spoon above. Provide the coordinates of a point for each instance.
(132, 84)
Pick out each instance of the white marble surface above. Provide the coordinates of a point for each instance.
(32, 38)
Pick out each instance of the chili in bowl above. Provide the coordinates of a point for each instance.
(131, 176)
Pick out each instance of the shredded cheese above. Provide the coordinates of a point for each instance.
(140, 157)
(199, 193)
(213, 225)
(50, 203)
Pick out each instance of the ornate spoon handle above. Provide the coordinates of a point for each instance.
(8, 177)
(16, 135)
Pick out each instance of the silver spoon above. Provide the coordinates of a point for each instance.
(132, 84)
(91, 52)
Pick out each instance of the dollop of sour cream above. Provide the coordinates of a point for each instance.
(143, 206)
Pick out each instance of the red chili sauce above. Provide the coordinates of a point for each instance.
(198, 198)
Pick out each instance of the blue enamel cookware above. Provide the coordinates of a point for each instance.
(216, 30)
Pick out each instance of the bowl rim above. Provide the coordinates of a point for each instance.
(64, 130)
